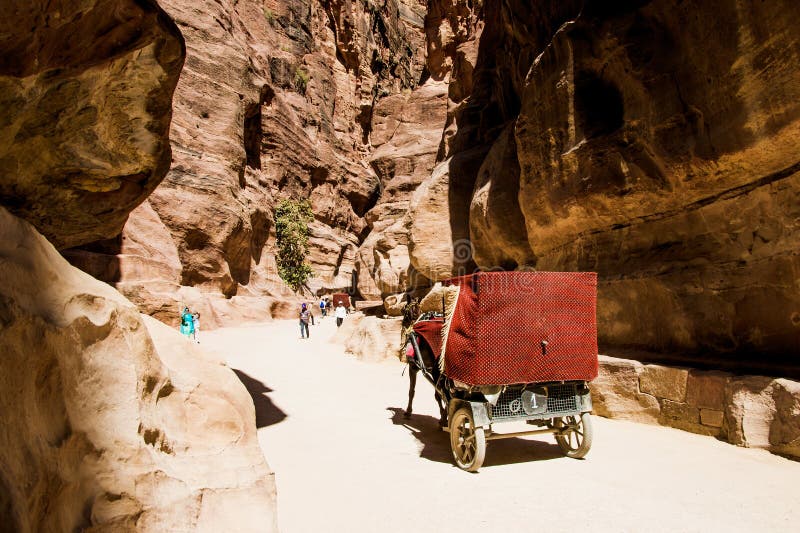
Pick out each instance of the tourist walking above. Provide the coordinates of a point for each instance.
(340, 313)
(187, 323)
(196, 327)
(310, 312)
(305, 316)
(323, 308)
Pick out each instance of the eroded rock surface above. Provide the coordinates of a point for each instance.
(597, 137)
(85, 106)
(113, 421)
(276, 101)
(370, 338)
(672, 173)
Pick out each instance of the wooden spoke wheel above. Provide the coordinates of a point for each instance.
(574, 435)
(467, 441)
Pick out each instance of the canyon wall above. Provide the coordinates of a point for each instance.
(85, 106)
(111, 421)
(652, 142)
(276, 101)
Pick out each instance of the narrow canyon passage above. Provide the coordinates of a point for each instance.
(345, 460)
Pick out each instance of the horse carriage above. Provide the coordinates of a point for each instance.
(510, 347)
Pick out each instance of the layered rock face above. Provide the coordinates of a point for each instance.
(653, 143)
(673, 174)
(85, 105)
(276, 101)
(411, 223)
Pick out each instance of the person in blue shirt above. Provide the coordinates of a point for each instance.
(187, 323)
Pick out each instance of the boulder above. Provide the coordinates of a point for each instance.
(784, 433)
(750, 411)
(394, 304)
(371, 306)
(114, 421)
(370, 338)
(764, 413)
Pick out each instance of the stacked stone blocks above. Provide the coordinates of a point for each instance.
(752, 411)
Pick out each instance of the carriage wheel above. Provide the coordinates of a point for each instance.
(467, 441)
(575, 435)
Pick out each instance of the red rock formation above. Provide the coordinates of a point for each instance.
(276, 100)
(574, 136)
(659, 167)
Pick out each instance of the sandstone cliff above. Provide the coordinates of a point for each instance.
(111, 421)
(276, 100)
(651, 142)
(85, 105)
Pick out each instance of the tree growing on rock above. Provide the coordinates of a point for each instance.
(291, 228)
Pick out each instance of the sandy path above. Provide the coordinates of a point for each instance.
(346, 460)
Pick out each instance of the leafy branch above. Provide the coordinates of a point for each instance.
(291, 228)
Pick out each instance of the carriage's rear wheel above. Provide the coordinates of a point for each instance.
(575, 434)
(467, 441)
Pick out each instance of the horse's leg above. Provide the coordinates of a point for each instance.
(442, 410)
(412, 384)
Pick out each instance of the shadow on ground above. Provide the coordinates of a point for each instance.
(436, 443)
(267, 413)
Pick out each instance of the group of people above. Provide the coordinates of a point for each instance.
(306, 317)
(190, 321)
(190, 325)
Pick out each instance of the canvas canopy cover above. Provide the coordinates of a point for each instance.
(504, 328)
(341, 297)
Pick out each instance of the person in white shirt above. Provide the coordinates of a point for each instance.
(196, 323)
(340, 313)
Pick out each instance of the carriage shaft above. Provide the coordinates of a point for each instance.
(497, 436)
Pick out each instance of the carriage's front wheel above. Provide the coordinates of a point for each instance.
(575, 434)
(467, 441)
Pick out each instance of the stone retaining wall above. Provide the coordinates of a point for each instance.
(751, 411)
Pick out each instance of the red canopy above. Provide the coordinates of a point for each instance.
(523, 327)
(341, 297)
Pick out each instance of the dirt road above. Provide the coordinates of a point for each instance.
(347, 461)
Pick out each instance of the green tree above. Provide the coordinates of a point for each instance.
(291, 228)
